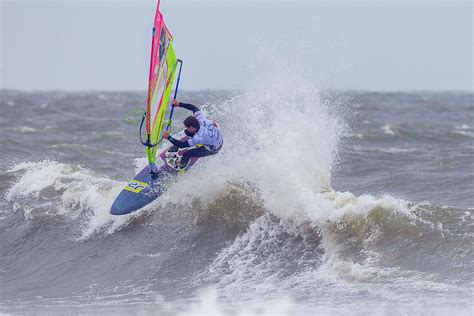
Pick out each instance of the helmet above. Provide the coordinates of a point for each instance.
(191, 121)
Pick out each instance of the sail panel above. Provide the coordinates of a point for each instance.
(162, 69)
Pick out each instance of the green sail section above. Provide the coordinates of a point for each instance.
(160, 100)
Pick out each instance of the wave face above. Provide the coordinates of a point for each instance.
(320, 202)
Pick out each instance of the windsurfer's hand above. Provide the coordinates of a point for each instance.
(175, 103)
(166, 134)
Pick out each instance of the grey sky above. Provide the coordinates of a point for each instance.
(80, 45)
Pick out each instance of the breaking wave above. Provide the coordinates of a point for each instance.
(260, 220)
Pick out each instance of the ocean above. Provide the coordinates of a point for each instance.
(320, 203)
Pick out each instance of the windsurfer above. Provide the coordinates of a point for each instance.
(200, 131)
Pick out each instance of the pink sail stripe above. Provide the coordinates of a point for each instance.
(160, 41)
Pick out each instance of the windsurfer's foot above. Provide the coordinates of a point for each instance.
(181, 164)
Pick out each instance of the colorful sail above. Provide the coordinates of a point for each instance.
(163, 64)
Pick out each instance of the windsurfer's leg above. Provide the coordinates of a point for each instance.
(195, 152)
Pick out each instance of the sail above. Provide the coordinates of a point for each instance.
(162, 69)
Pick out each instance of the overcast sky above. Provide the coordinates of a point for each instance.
(81, 45)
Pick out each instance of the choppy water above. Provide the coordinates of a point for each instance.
(247, 230)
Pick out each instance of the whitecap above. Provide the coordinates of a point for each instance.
(387, 129)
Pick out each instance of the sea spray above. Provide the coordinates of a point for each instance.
(283, 143)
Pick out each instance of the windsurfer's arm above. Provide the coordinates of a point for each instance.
(179, 143)
(187, 106)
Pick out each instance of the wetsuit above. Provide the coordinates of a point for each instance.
(207, 135)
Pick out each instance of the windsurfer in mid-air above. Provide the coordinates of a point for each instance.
(200, 131)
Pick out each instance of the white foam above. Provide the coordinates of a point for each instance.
(463, 127)
(24, 129)
(66, 190)
(282, 140)
(464, 132)
(207, 303)
(396, 150)
(255, 259)
(388, 129)
(140, 163)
